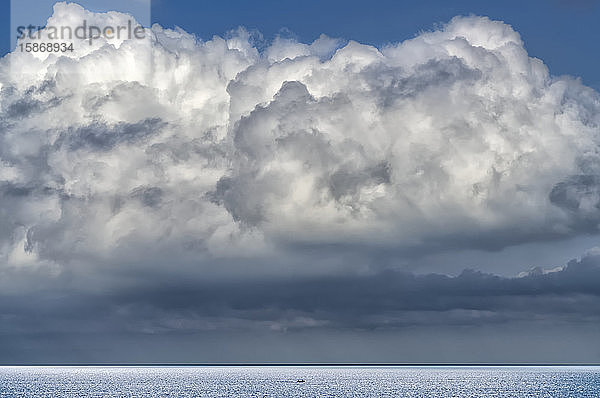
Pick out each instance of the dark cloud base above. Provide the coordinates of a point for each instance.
(385, 317)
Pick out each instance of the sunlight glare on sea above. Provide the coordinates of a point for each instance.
(300, 381)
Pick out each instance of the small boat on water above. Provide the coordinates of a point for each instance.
(300, 381)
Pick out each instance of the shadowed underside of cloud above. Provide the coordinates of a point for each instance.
(387, 300)
(392, 316)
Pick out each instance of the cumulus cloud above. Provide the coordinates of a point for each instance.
(456, 138)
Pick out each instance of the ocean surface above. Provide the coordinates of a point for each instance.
(300, 381)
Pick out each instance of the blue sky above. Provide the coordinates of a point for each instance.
(562, 33)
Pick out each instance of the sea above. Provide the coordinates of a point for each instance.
(300, 381)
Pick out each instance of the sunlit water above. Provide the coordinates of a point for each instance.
(285, 382)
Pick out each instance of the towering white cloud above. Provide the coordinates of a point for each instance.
(126, 148)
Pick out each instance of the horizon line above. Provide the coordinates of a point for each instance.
(306, 364)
